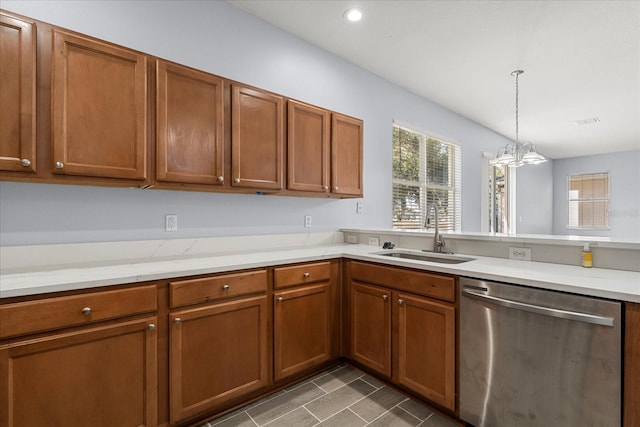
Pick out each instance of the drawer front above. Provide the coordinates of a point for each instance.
(301, 274)
(61, 312)
(427, 284)
(194, 291)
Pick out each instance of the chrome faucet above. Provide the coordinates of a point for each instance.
(438, 240)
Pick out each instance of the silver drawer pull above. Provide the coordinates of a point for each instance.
(225, 287)
(280, 299)
(306, 275)
(237, 180)
(177, 321)
(151, 326)
(385, 297)
(86, 311)
(221, 178)
(26, 163)
(400, 301)
(59, 165)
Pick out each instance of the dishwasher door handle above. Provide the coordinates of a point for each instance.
(546, 311)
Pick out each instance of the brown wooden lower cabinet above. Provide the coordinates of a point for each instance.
(217, 353)
(405, 337)
(631, 416)
(425, 349)
(302, 329)
(98, 376)
(370, 314)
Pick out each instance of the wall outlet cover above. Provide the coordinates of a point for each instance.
(374, 241)
(352, 239)
(523, 254)
(171, 222)
(307, 221)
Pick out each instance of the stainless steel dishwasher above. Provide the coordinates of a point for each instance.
(531, 357)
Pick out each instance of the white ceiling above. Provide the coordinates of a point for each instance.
(581, 60)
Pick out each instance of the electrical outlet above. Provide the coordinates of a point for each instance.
(352, 239)
(523, 254)
(307, 221)
(171, 222)
(374, 241)
(359, 208)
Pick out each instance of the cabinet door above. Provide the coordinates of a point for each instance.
(426, 348)
(17, 94)
(346, 155)
(308, 139)
(99, 117)
(217, 353)
(371, 327)
(103, 377)
(257, 139)
(190, 112)
(302, 329)
(631, 365)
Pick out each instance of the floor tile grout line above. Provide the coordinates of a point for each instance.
(356, 414)
(404, 410)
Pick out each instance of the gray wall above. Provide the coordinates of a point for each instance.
(216, 37)
(624, 187)
(534, 199)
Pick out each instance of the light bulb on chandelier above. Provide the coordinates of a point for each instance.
(518, 154)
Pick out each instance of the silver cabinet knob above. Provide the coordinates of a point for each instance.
(26, 163)
(400, 301)
(151, 326)
(280, 299)
(86, 311)
(237, 180)
(385, 297)
(335, 188)
(221, 178)
(306, 275)
(59, 165)
(325, 187)
(177, 321)
(225, 287)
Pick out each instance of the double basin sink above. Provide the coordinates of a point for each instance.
(421, 256)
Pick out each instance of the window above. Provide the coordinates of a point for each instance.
(588, 201)
(426, 170)
(498, 199)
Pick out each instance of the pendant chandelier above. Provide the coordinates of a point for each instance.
(517, 154)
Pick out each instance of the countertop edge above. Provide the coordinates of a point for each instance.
(594, 282)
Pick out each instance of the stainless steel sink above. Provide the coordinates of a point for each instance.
(430, 257)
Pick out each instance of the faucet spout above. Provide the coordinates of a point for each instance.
(438, 240)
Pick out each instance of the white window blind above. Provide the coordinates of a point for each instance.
(426, 170)
(588, 201)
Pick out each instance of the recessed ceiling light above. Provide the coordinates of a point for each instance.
(353, 14)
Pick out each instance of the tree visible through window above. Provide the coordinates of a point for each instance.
(588, 201)
(426, 170)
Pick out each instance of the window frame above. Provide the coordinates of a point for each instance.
(453, 186)
(569, 200)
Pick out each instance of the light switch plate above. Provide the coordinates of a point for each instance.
(374, 241)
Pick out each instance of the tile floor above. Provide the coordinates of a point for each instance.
(343, 397)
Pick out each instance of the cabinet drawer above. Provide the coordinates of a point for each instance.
(60, 312)
(194, 291)
(301, 274)
(427, 284)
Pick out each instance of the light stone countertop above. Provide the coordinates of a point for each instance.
(599, 282)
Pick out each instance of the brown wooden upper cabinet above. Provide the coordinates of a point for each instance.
(99, 108)
(17, 94)
(190, 125)
(257, 138)
(308, 149)
(346, 155)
